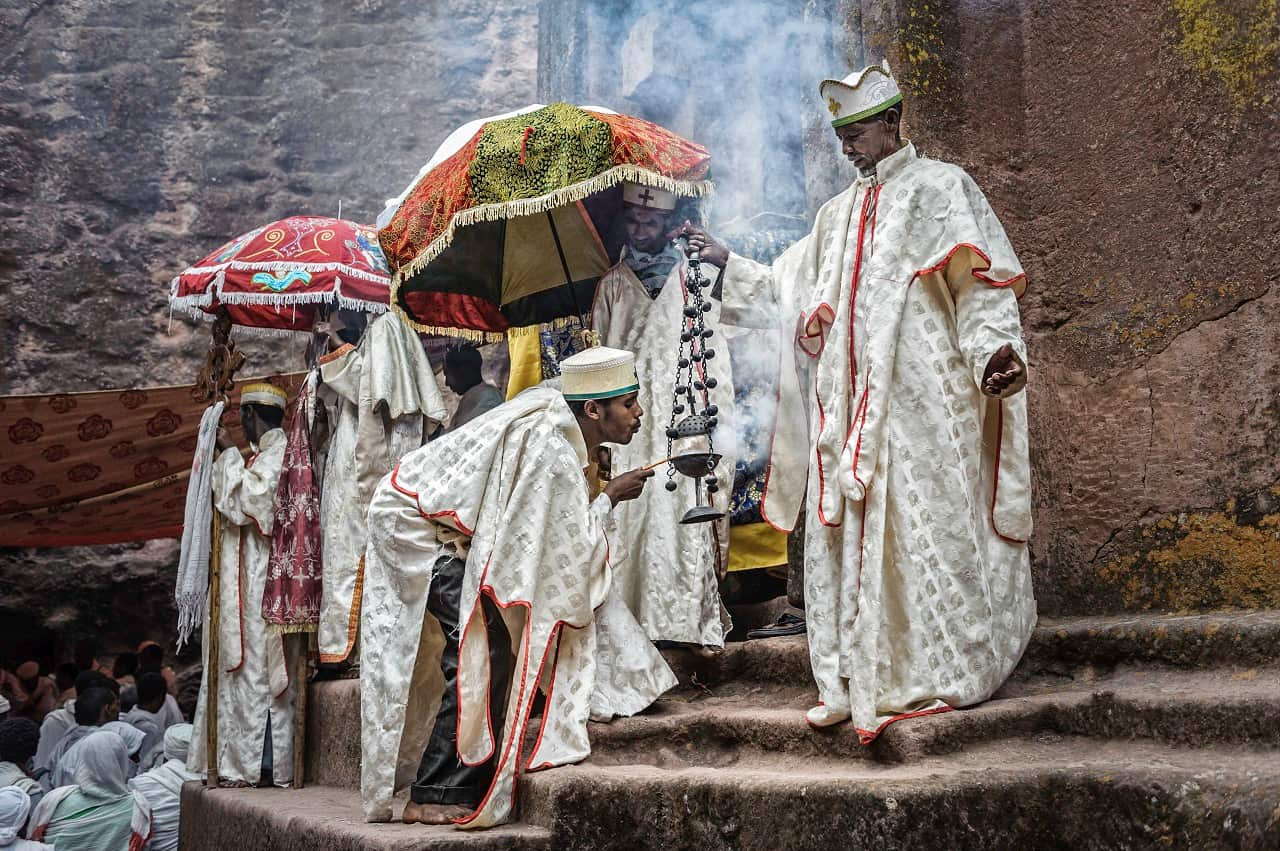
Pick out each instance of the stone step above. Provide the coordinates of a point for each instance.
(320, 817)
(1085, 662)
(1063, 646)
(1176, 707)
(1050, 792)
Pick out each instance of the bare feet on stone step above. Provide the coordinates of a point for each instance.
(698, 651)
(827, 716)
(434, 813)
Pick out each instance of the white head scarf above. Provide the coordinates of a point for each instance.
(14, 806)
(133, 737)
(177, 741)
(103, 771)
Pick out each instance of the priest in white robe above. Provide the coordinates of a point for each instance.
(255, 694)
(670, 580)
(383, 400)
(901, 305)
(485, 544)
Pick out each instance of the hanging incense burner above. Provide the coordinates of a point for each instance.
(693, 417)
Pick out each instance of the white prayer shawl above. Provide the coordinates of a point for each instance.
(65, 743)
(513, 481)
(64, 772)
(669, 578)
(193, 561)
(152, 727)
(162, 787)
(384, 388)
(917, 577)
(100, 780)
(55, 725)
(255, 678)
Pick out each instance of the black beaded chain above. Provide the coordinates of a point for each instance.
(692, 382)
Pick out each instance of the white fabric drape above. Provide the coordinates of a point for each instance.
(668, 577)
(917, 577)
(255, 678)
(193, 560)
(381, 393)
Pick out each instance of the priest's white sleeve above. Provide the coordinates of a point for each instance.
(749, 296)
(341, 371)
(987, 318)
(245, 493)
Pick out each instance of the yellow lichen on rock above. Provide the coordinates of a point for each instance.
(1202, 560)
(1237, 41)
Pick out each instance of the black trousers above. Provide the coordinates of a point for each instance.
(442, 777)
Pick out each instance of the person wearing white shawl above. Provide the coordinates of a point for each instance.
(18, 738)
(15, 806)
(93, 708)
(162, 787)
(484, 534)
(65, 771)
(98, 812)
(671, 579)
(255, 690)
(383, 400)
(902, 304)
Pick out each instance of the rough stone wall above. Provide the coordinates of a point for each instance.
(1133, 154)
(137, 137)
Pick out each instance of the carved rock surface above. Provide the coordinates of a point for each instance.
(137, 137)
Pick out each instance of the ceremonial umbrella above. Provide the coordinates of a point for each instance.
(516, 221)
(274, 276)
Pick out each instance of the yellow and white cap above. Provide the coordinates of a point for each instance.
(650, 197)
(860, 95)
(599, 373)
(263, 393)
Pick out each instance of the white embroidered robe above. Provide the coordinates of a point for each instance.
(384, 389)
(513, 483)
(669, 578)
(917, 577)
(255, 676)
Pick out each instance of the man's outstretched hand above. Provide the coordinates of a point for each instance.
(627, 486)
(1002, 373)
(703, 243)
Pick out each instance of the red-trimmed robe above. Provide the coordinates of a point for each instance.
(917, 576)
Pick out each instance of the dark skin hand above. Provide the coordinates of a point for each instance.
(703, 244)
(627, 486)
(1003, 371)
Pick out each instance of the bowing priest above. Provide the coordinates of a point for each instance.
(901, 307)
(670, 578)
(255, 694)
(382, 399)
(487, 568)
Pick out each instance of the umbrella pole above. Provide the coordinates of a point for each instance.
(300, 678)
(564, 264)
(214, 661)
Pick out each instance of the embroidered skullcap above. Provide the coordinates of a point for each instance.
(860, 95)
(650, 197)
(599, 373)
(263, 393)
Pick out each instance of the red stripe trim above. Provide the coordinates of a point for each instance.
(995, 483)
(448, 513)
(866, 737)
(239, 600)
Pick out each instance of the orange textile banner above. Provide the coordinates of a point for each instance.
(102, 467)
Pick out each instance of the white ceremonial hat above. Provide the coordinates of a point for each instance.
(599, 373)
(860, 95)
(263, 393)
(651, 197)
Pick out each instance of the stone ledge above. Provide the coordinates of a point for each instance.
(1062, 793)
(320, 817)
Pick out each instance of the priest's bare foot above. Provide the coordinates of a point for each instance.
(433, 813)
(703, 651)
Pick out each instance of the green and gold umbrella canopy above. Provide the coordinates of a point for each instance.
(517, 225)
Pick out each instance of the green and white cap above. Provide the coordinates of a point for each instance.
(860, 95)
(599, 373)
